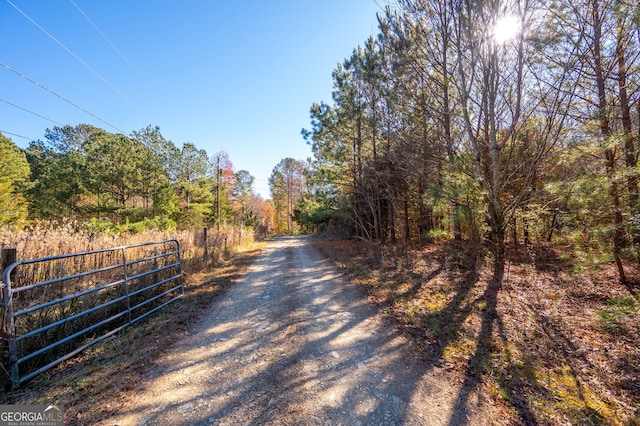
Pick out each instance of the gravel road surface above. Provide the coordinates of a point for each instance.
(293, 343)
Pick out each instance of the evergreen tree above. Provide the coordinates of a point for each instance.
(288, 185)
(14, 178)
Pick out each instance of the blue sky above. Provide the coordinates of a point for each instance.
(224, 75)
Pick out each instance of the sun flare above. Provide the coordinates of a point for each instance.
(506, 28)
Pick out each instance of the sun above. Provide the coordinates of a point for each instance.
(506, 28)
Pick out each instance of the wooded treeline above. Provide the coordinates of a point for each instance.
(446, 124)
(141, 180)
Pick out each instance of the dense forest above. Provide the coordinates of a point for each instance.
(492, 122)
(115, 182)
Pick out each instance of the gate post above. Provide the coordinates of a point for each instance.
(7, 257)
(125, 275)
(206, 245)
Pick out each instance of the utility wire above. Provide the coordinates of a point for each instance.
(16, 135)
(59, 96)
(113, 46)
(76, 57)
(31, 112)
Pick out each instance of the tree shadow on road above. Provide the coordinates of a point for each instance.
(303, 347)
(293, 342)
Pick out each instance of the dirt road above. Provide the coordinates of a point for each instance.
(294, 343)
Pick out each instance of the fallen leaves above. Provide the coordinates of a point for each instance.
(581, 329)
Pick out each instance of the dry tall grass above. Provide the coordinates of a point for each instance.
(71, 237)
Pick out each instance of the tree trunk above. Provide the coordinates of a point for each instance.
(446, 121)
(498, 249)
(392, 222)
(407, 234)
(553, 226)
(605, 131)
(631, 156)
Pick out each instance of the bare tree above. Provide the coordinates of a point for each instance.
(511, 94)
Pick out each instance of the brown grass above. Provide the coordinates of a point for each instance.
(552, 346)
(71, 237)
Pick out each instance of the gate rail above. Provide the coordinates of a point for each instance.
(140, 279)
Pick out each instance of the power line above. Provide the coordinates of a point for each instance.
(16, 135)
(59, 96)
(113, 46)
(31, 112)
(76, 57)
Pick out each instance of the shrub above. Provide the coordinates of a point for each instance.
(436, 235)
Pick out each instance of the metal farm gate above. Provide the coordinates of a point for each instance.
(55, 307)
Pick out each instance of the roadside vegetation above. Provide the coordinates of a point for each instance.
(82, 188)
(560, 345)
(197, 252)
